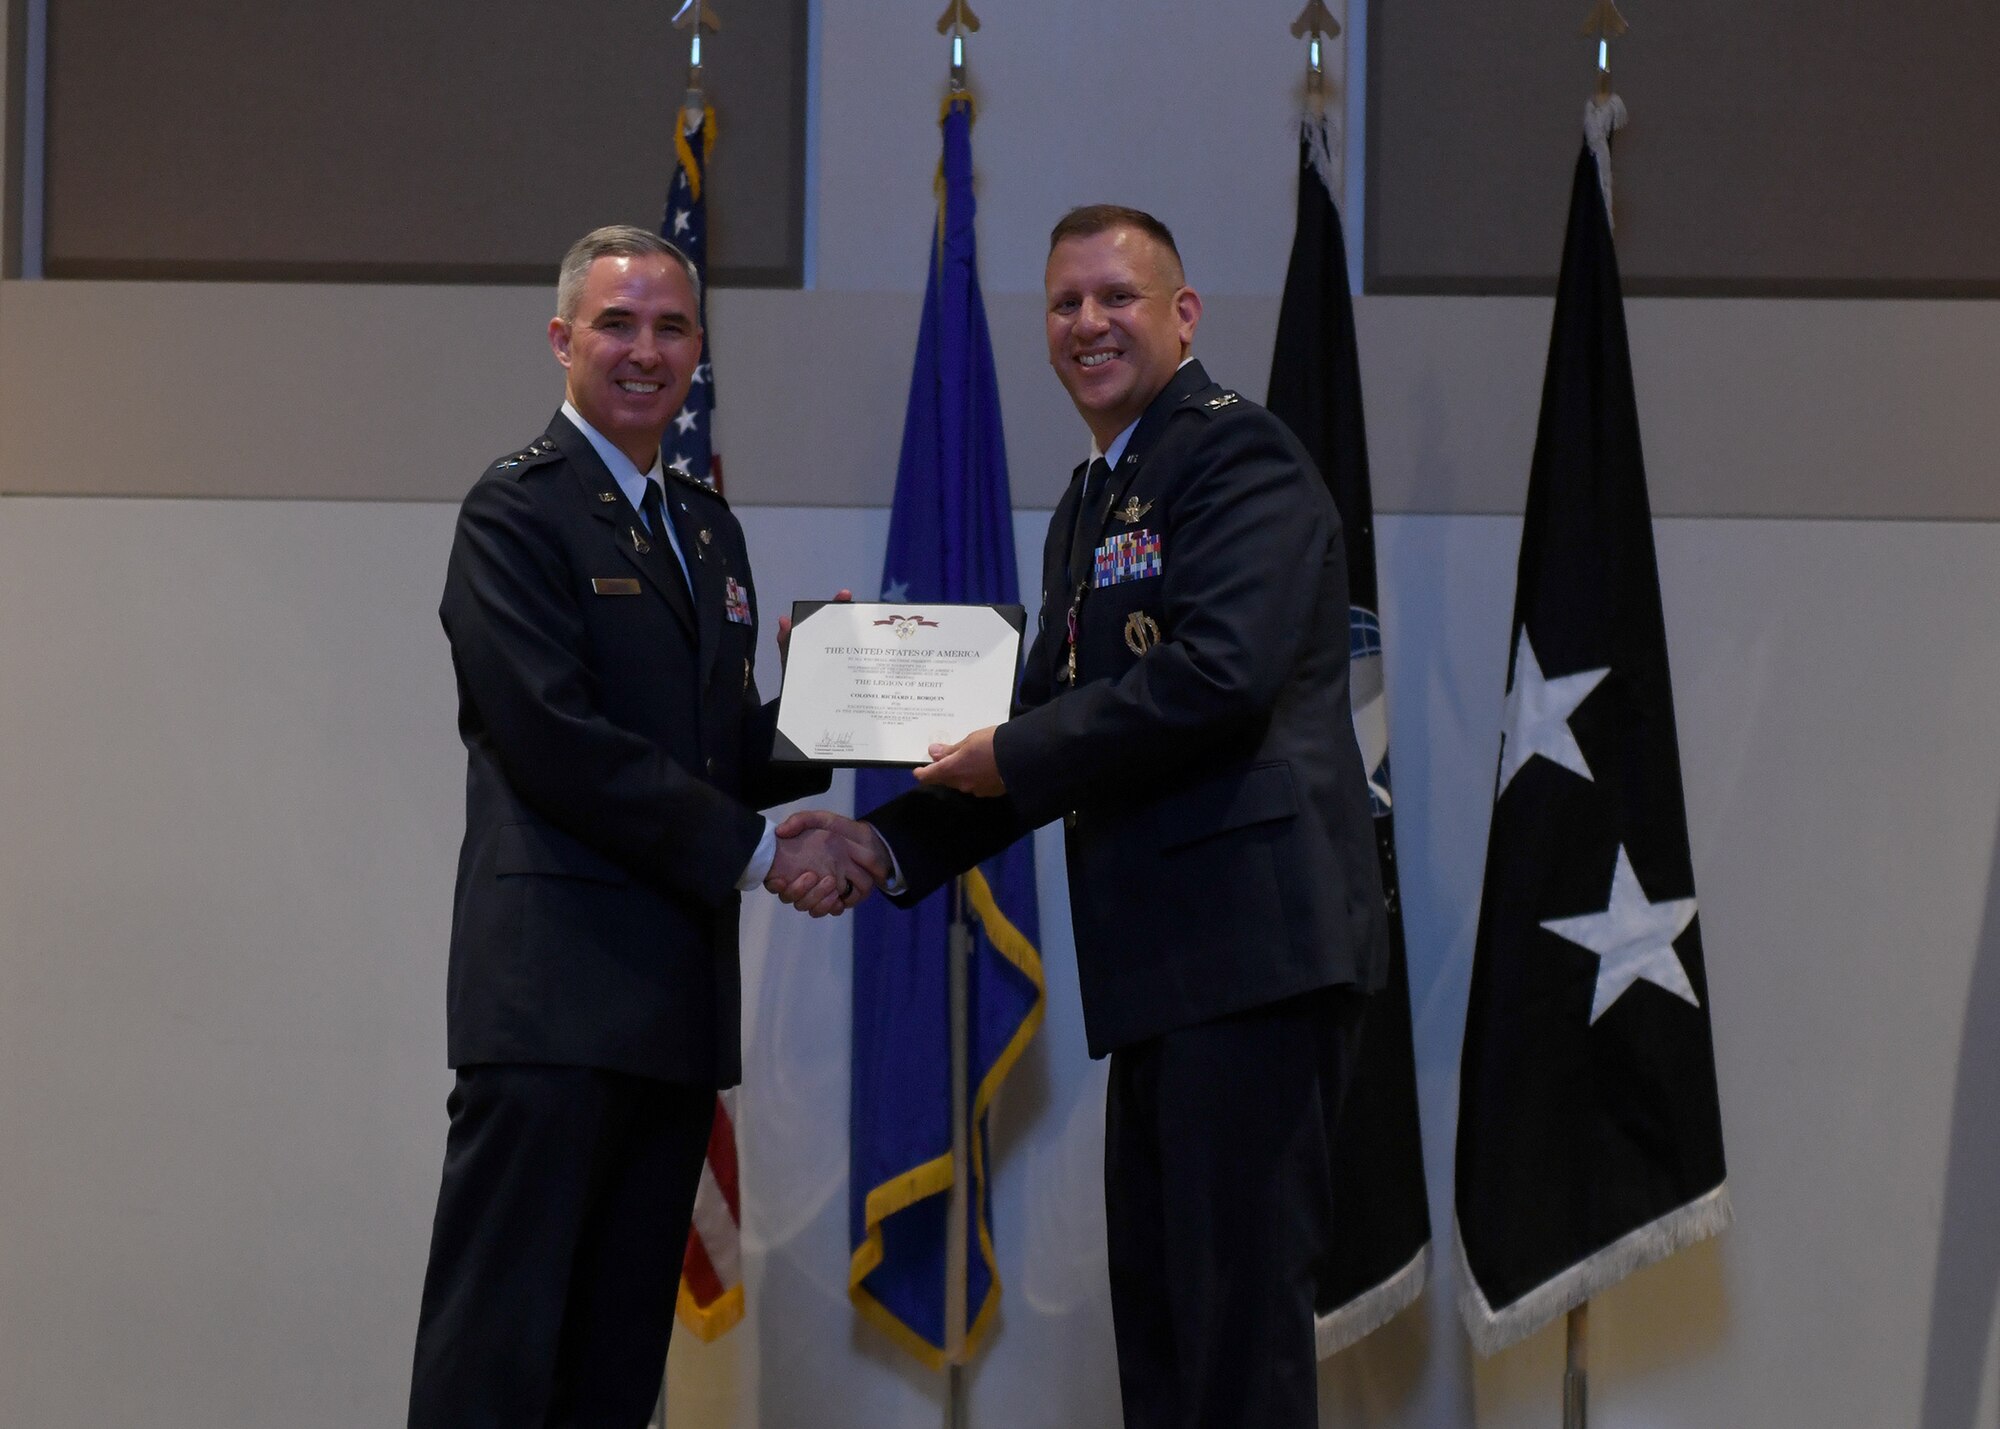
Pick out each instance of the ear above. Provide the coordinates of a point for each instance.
(559, 340)
(1187, 313)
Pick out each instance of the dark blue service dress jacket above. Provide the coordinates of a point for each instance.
(1220, 846)
(616, 755)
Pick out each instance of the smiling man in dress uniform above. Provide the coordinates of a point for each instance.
(603, 626)
(1185, 712)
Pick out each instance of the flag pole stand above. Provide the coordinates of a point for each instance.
(1576, 1375)
(958, 1212)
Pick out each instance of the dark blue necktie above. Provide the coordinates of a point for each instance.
(654, 505)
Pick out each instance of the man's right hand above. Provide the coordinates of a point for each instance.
(862, 845)
(825, 864)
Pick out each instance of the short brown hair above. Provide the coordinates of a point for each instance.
(1095, 218)
(617, 240)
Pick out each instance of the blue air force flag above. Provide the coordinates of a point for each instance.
(950, 539)
(1589, 1127)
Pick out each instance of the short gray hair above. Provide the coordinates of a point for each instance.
(617, 240)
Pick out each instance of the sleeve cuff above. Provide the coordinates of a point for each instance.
(759, 867)
(895, 885)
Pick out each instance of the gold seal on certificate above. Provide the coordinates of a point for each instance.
(879, 684)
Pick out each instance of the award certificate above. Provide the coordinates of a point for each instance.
(879, 684)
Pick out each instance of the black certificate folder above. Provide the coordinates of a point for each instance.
(871, 684)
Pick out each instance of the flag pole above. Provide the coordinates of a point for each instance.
(958, 1211)
(1316, 25)
(1576, 1374)
(695, 16)
(1602, 24)
(954, 24)
(1604, 111)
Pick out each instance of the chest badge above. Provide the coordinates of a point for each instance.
(639, 542)
(1132, 513)
(1142, 632)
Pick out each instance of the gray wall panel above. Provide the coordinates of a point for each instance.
(1750, 408)
(1792, 146)
(450, 141)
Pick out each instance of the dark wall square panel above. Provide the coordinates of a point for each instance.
(1783, 147)
(380, 140)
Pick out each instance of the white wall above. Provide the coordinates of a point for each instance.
(229, 794)
(232, 806)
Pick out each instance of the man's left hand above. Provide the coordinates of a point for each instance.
(785, 628)
(967, 766)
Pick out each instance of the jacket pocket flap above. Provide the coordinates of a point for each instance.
(541, 848)
(1257, 795)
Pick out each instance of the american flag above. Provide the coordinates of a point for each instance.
(684, 223)
(711, 1293)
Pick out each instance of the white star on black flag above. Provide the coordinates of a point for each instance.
(1633, 939)
(1589, 1128)
(1537, 715)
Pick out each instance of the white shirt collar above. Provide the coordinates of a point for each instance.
(630, 479)
(1119, 442)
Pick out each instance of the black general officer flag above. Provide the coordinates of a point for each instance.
(1589, 1131)
(1378, 1264)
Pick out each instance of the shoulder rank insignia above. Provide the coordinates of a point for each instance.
(1221, 400)
(688, 478)
(1132, 513)
(528, 456)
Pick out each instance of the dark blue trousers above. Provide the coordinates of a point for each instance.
(556, 1254)
(1218, 1201)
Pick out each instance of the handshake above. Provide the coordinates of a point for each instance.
(826, 863)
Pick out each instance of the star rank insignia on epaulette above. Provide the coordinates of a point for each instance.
(1221, 400)
(688, 478)
(539, 450)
